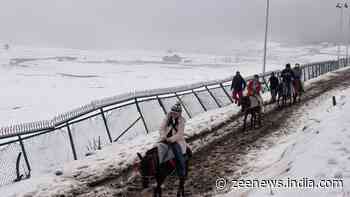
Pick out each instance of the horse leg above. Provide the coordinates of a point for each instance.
(181, 189)
(158, 190)
(245, 121)
(252, 119)
(255, 119)
(259, 117)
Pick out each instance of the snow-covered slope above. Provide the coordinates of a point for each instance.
(39, 83)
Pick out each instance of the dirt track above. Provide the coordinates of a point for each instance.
(223, 157)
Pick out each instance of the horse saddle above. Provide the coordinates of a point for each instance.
(165, 153)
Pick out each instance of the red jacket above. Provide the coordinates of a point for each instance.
(252, 90)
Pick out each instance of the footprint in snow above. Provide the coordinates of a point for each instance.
(332, 161)
(344, 149)
(336, 143)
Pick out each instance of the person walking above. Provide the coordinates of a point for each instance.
(273, 80)
(237, 87)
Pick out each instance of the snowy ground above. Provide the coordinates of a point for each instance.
(111, 161)
(317, 150)
(39, 83)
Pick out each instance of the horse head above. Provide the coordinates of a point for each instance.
(147, 166)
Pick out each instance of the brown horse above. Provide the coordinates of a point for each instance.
(150, 167)
(254, 109)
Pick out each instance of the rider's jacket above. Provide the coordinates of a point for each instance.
(273, 82)
(297, 72)
(254, 87)
(177, 135)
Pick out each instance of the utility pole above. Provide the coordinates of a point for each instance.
(266, 32)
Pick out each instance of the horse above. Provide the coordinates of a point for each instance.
(250, 105)
(297, 90)
(150, 167)
(285, 92)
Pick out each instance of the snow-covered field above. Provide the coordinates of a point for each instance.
(39, 83)
(317, 150)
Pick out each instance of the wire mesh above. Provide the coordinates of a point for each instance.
(207, 100)
(120, 119)
(8, 159)
(220, 96)
(47, 152)
(89, 135)
(152, 113)
(192, 104)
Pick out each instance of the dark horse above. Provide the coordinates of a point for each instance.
(285, 92)
(150, 167)
(254, 111)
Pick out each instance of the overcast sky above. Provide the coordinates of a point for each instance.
(161, 24)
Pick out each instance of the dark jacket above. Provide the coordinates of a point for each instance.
(273, 82)
(287, 75)
(297, 72)
(238, 83)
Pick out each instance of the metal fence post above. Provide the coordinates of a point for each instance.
(161, 105)
(24, 153)
(227, 94)
(314, 71)
(304, 73)
(199, 100)
(142, 118)
(71, 142)
(183, 105)
(212, 95)
(106, 125)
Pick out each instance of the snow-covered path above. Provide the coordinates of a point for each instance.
(229, 155)
(315, 148)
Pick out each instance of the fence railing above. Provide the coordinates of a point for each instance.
(38, 147)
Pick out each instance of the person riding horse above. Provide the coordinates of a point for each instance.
(287, 78)
(172, 134)
(170, 154)
(254, 88)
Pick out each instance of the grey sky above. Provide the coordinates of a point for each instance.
(190, 24)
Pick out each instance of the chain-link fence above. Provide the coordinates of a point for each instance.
(41, 147)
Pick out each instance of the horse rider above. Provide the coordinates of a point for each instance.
(287, 78)
(297, 74)
(237, 87)
(254, 88)
(273, 80)
(172, 133)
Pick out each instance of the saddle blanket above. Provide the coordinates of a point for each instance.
(164, 153)
(257, 101)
